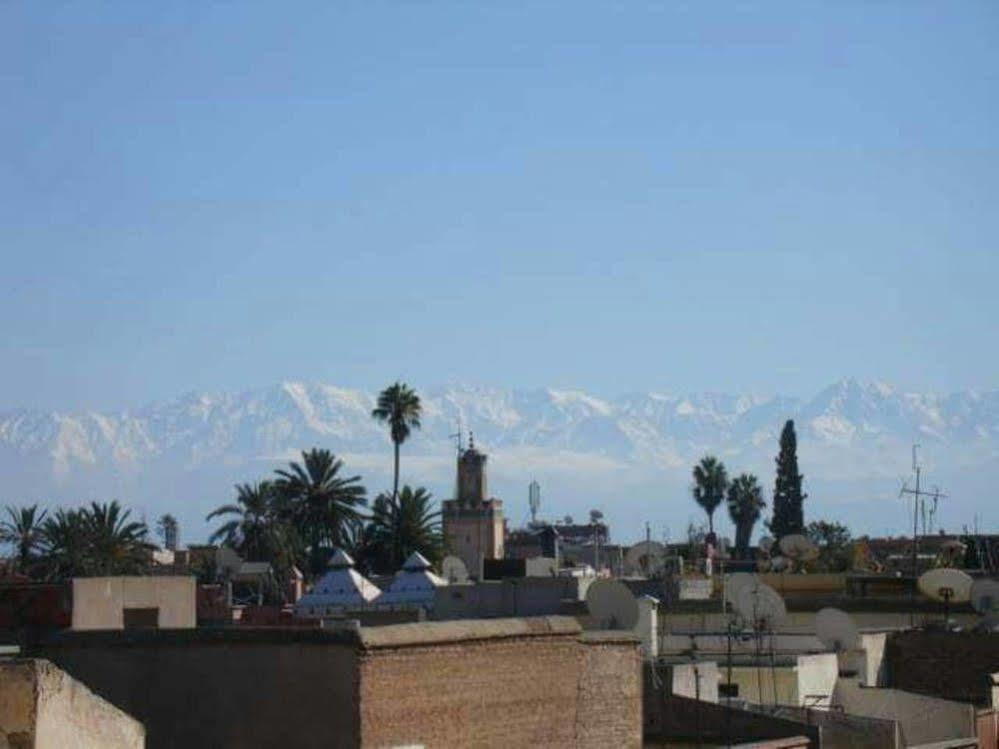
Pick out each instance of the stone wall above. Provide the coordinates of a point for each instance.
(499, 683)
(951, 665)
(41, 707)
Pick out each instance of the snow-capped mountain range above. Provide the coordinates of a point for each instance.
(630, 456)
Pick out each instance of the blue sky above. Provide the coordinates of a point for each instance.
(662, 197)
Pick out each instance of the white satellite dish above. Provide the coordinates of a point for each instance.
(780, 564)
(647, 557)
(985, 598)
(798, 548)
(836, 629)
(765, 544)
(454, 570)
(762, 606)
(612, 603)
(946, 584)
(734, 583)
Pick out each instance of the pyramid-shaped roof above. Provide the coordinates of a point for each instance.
(342, 587)
(415, 583)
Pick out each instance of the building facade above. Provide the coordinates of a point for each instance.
(473, 521)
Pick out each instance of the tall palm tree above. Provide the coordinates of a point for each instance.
(24, 532)
(745, 504)
(117, 546)
(399, 526)
(710, 483)
(398, 406)
(66, 544)
(319, 502)
(249, 528)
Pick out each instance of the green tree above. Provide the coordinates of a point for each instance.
(23, 531)
(400, 526)
(710, 483)
(398, 406)
(788, 515)
(834, 543)
(115, 545)
(253, 527)
(319, 503)
(66, 544)
(745, 503)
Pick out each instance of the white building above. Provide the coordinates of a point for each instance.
(414, 585)
(341, 589)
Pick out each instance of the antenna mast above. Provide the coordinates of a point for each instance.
(918, 500)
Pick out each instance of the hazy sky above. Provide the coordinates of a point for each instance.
(672, 197)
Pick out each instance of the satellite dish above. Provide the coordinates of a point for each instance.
(798, 548)
(647, 557)
(765, 544)
(836, 630)
(945, 584)
(761, 605)
(780, 564)
(985, 598)
(734, 583)
(454, 570)
(612, 603)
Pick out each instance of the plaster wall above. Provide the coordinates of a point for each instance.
(100, 602)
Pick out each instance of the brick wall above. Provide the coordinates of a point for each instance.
(500, 683)
(951, 665)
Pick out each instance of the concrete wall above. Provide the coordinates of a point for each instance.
(223, 688)
(41, 707)
(838, 730)
(921, 719)
(951, 665)
(525, 596)
(795, 680)
(99, 602)
(695, 680)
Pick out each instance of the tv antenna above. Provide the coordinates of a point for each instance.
(458, 437)
(919, 497)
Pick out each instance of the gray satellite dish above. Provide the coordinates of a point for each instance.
(454, 570)
(612, 603)
(762, 606)
(781, 564)
(797, 548)
(836, 630)
(647, 557)
(765, 544)
(945, 584)
(734, 583)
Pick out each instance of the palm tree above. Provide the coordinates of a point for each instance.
(24, 532)
(115, 545)
(65, 544)
(250, 528)
(319, 503)
(745, 504)
(400, 526)
(398, 406)
(710, 483)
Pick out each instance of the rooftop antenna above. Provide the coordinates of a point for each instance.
(457, 437)
(534, 500)
(918, 496)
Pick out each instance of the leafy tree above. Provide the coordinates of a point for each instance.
(400, 526)
(319, 503)
(23, 531)
(710, 483)
(834, 543)
(745, 503)
(398, 406)
(788, 516)
(250, 529)
(66, 544)
(168, 529)
(115, 546)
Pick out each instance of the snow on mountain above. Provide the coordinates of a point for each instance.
(194, 447)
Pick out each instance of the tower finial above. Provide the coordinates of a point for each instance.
(471, 440)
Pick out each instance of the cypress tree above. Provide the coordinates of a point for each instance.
(788, 515)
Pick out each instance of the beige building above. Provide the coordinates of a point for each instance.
(130, 602)
(42, 707)
(473, 521)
